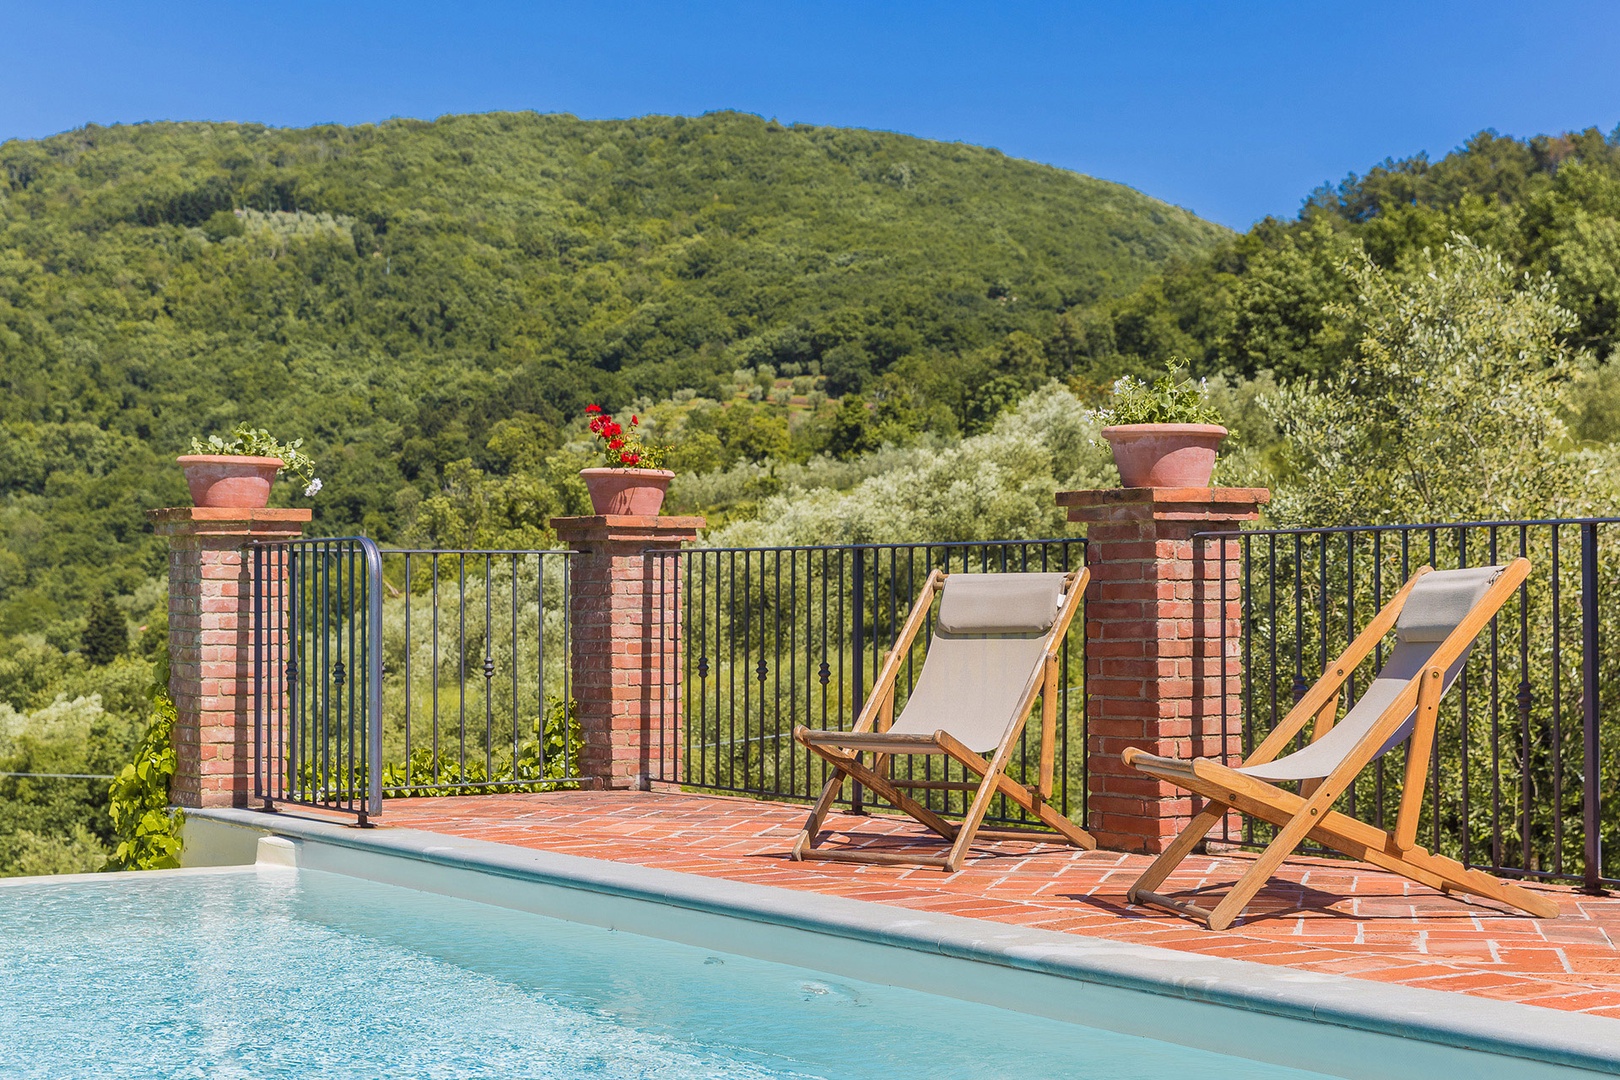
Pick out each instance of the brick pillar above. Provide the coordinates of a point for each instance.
(624, 610)
(1155, 653)
(210, 637)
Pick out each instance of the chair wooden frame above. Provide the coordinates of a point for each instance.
(869, 734)
(1310, 814)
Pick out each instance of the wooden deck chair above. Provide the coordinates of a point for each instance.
(994, 650)
(1435, 616)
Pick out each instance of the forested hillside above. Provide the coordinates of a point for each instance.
(1260, 302)
(396, 293)
(845, 334)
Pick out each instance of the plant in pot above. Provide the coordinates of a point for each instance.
(1163, 435)
(237, 470)
(632, 480)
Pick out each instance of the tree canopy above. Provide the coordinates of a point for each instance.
(1260, 302)
(407, 296)
(844, 334)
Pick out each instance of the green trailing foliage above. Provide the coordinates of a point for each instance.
(543, 762)
(148, 828)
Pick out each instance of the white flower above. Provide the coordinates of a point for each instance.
(314, 486)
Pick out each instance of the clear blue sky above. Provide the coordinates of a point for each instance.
(1234, 111)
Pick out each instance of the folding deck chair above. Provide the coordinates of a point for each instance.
(994, 649)
(1436, 616)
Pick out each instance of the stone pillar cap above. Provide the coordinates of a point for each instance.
(230, 520)
(627, 528)
(1164, 504)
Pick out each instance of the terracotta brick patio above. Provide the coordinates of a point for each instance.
(1319, 915)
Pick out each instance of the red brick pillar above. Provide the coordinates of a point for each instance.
(210, 644)
(625, 626)
(1155, 650)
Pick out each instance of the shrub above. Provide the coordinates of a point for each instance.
(148, 828)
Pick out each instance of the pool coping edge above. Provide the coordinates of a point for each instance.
(1443, 1017)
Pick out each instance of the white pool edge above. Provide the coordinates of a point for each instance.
(1230, 1006)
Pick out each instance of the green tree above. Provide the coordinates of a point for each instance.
(106, 634)
(1448, 406)
(852, 431)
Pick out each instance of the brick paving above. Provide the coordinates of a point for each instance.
(1317, 915)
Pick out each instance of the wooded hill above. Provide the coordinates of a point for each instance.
(827, 322)
(392, 293)
(1265, 301)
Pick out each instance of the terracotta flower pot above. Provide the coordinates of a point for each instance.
(229, 479)
(637, 492)
(1165, 455)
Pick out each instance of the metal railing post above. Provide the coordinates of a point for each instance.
(374, 679)
(858, 638)
(1591, 790)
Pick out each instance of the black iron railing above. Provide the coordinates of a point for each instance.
(1526, 765)
(395, 673)
(774, 637)
(476, 694)
(317, 674)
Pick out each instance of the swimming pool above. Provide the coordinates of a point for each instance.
(276, 972)
(397, 952)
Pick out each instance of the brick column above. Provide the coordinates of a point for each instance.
(1155, 614)
(210, 636)
(625, 616)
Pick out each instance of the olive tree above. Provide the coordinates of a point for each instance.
(1449, 405)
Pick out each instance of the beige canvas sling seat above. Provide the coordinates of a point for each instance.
(994, 651)
(1436, 617)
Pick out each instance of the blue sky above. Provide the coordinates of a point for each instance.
(1232, 111)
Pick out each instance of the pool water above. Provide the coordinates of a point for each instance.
(277, 973)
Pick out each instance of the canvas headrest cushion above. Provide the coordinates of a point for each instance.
(1440, 600)
(1000, 603)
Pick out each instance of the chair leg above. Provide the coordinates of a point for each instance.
(852, 767)
(818, 814)
(991, 774)
(1173, 856)
(970, 823)
(1282, 845)
(1032, 802)
(1071, 832)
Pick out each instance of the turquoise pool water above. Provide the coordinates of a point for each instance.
(298, 974)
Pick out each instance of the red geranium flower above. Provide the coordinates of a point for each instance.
(621, 448)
